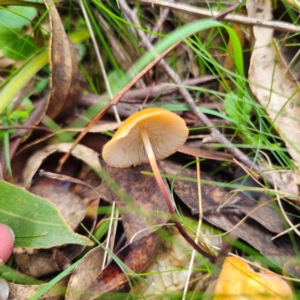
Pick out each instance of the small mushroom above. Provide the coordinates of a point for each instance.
(7, 240)
(146, 136)
(238, 281)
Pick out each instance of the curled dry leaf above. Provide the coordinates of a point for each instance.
(37, 264)
(147, 208)
(20, 291)
(83, 153)
(271, 82)
(137, 256)
(66, 82)
(84, 274)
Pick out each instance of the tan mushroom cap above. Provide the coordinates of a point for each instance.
(166, 130)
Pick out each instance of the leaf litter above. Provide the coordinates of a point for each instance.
(149, 256)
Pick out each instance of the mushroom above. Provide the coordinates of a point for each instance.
(146, 136)
(238, 281)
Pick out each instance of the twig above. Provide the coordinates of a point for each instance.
(215, 133)
(224, 13)
(25, 127)
(138, 95)
(159, 22)
(236, 18)
(66, 178)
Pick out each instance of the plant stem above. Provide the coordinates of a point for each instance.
(152, 160)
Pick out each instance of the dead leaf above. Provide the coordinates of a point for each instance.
(66, 81)
(257, 230)
(37, 264)
(147, 208)
(136, 256)
(84, 274)
(19, 291)
(168, 270)
(271, 83)
(292, 268)
(83, 153)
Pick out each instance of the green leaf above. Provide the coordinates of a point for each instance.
(19, 48)
(17, 16)
(35, 221)
(237, 109)
(7, 35)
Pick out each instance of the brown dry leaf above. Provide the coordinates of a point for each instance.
(20, 292)
(271, 82)
(292, 268)
(66, 81)
(168, 271)
(92, 200)
(257, 230)
(84, 274)
(73, 208)
(137, 256)
(147, 208)
(290, 178)
(83, 153)
(215, 197)
(39, 263)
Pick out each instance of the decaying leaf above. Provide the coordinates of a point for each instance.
(21, 291)
(271, 82)
(84, 274)
(226, 211)
(66, 82)
(136, 256)
(87, 155)
(147, 208)
(168, 270)
(292, 268)
(36, 264)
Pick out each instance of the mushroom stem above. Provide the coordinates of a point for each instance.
(152, 160)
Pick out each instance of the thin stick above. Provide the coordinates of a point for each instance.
(236, 18)
(152, 160)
